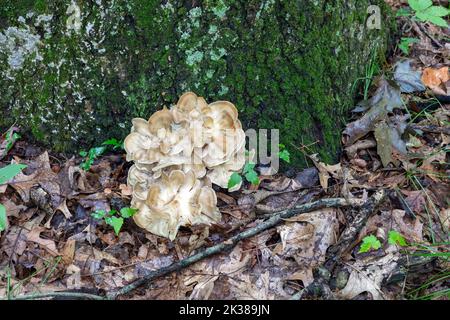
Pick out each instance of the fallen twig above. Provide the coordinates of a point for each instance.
(56, 294)
(346, 242)
(230, 243)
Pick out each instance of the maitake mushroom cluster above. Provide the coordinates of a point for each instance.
(178, 154)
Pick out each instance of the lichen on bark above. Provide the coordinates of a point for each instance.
(75, 72)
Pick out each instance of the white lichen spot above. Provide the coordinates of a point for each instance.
(17, 44)
(193, 57)
(217, 54)
(212, 29)
(221, 10)
(223, 90)
(73, 22)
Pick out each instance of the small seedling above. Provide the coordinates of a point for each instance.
(284, 154)
(113, 218)
(425, 11)
(116, 144)
(235, 179)
(395, 238)
(10, 138)
(6, 174)
(370, 243)
(93, 153)
(405, 44)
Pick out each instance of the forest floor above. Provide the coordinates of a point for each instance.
(384, 236)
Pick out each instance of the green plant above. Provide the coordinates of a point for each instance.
(405, 43)
(369, 243)
(113, 218)
(284, 154)
(436, 251)
(10, 137)
(93, 153)
(395, 238)
(371, 70)
(7, 173)
(425, 11)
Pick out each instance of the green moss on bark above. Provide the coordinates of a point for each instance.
(285, 64)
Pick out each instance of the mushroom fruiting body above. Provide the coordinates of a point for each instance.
(178, 154)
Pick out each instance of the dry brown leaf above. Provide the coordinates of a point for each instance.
(432, 77)
(246, 289)
(204, 275)
(47, 244)
(68, 252)
(325, 170)
(102, 255)
(306, 239)
(367, 276)
(415, 200)
(444, 217)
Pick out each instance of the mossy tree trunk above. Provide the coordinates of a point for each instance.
(76, 72)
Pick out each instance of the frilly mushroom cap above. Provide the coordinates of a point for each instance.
(178, 153)
(177, 199)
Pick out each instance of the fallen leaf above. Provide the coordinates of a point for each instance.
(306, 239)
(385, 100)
(408, 79)
(368, 275)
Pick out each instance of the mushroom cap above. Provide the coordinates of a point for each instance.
(178, 153)
(180, 199)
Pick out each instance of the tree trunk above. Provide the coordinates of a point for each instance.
(74, 74)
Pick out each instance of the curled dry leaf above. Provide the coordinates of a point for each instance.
(307, 238)
(437, 79)
(408, 79)
(367, 275)
(386, 99)
(203, 275)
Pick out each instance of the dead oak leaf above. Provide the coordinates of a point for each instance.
(415, 200)
(368, 275)
(432, 77)
(306, 239)
(35, 236)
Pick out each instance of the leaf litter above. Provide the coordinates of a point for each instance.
(399, 143)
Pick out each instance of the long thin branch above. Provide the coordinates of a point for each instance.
(56, 294)
(233, 241)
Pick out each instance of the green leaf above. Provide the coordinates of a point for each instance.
(98, 214)
(128, 212)
(252, 177)
(438, 21)
(395, 238)
(420, 5)
(437, 11)
(403, 12)
(113, 142)
(405, 43)
(3, 218)
(249, 167)
(369, 243)
(285, 155)
(95, 152)
(10, 171)
(250, 173)
(83, 153)
(235, 179)
(116, 223)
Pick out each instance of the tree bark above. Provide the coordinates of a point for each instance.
(73, 75)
